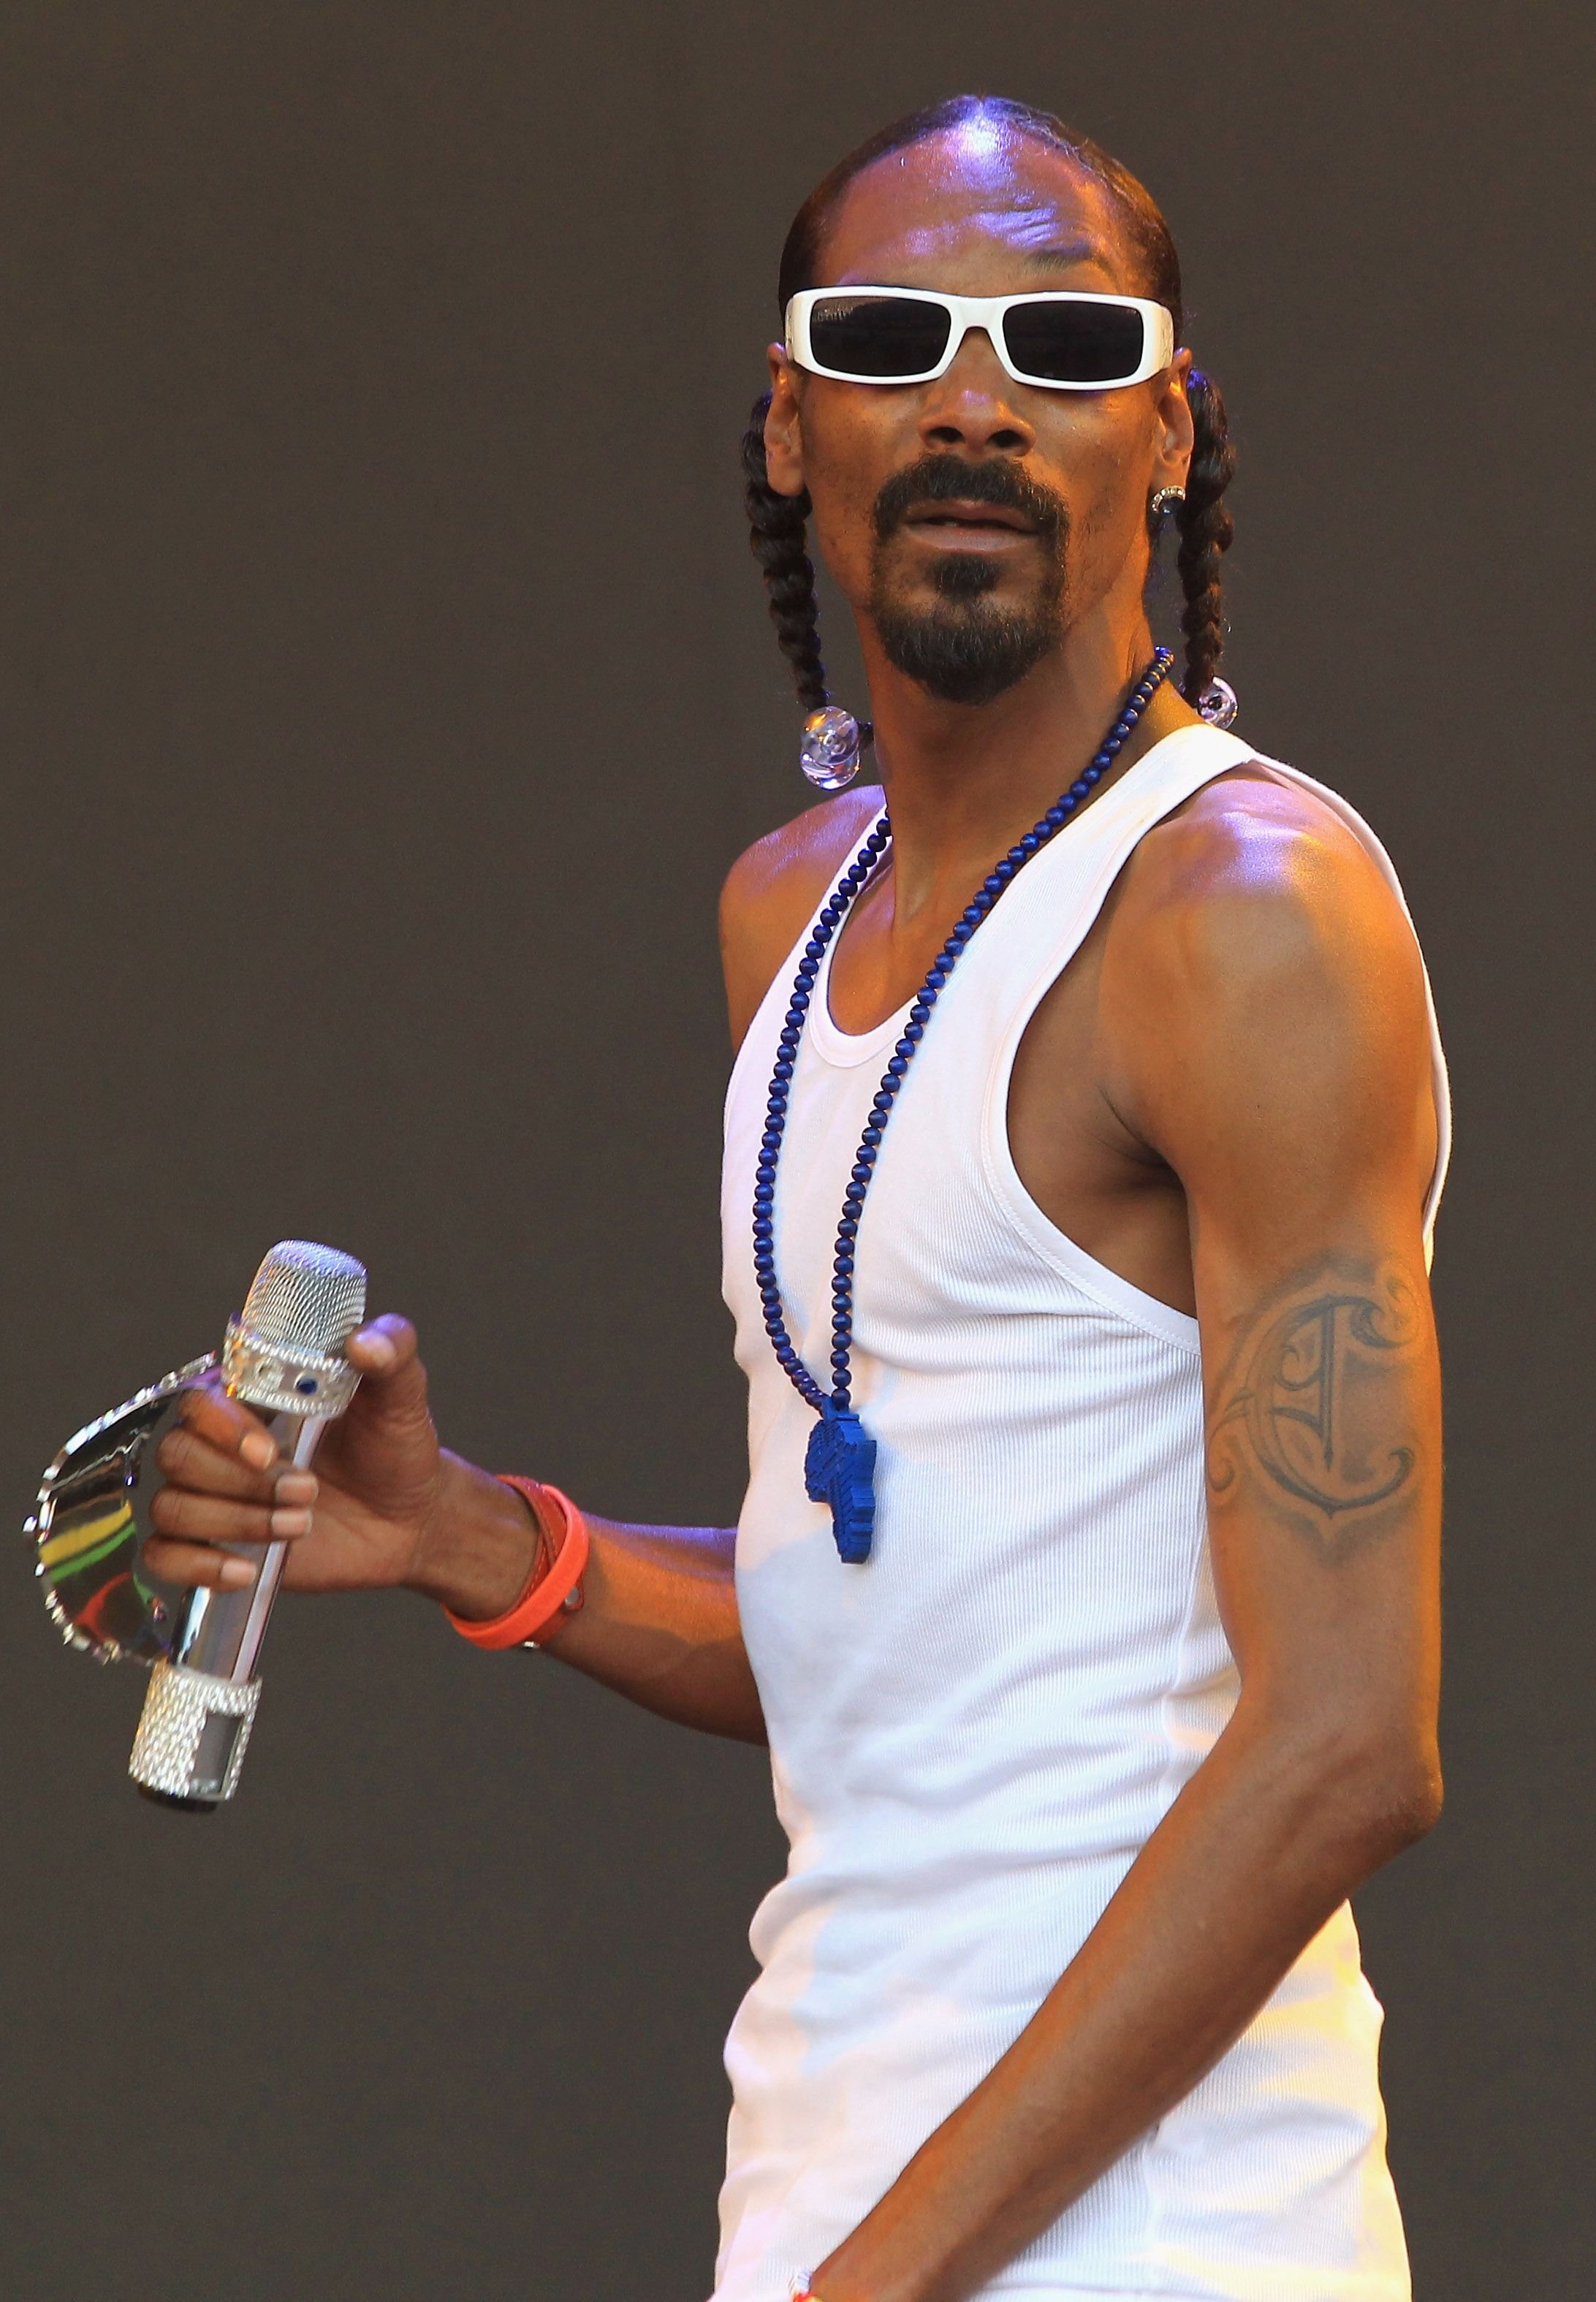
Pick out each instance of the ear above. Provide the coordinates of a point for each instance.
(783, 428)
(1173, 433)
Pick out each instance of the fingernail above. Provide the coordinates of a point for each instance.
(238, 1571)
(290, 1522)
(378, 1346)
(295, 1487)
(257, 1448)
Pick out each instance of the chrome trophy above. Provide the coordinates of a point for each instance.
(283, 1357)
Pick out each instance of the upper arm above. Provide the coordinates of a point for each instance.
(1270, 998)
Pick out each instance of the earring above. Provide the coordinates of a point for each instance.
(1218, 703)
(832, 745)
(1163, 501)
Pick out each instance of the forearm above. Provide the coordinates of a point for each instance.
(659, 1618)
(1265, 1842)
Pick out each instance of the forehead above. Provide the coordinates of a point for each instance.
(977, 210)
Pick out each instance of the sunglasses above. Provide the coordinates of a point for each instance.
(1066, 340)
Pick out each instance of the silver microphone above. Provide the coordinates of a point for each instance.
(283, 1357)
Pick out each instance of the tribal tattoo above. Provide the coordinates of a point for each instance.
(1318, 1402)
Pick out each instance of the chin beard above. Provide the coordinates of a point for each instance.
(964, 648)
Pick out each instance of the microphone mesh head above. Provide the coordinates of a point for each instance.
(309, 1298)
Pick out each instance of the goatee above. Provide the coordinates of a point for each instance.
(965, 648)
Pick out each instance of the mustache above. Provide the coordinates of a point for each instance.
(949, 478)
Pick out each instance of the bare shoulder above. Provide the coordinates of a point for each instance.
(776, 885)
(1252, 878)
(1264, 995)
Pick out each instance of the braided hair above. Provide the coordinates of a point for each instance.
(1206, 529)
(776, 531)
(777, 523)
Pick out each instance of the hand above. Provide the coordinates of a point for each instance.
(361, 1520)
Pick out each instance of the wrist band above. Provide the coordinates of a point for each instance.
(548, 1597)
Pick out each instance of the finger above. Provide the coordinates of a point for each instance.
(215, 1518)
(228, 1425)
(190, 1461)
(190, 1563)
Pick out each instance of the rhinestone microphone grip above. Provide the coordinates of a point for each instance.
(283, 1357)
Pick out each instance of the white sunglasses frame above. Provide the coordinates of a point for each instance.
(985, 313)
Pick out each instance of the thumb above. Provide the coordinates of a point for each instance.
(394, 1384)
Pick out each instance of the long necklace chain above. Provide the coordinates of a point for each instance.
(839, 1465)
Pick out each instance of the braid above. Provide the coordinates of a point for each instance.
(1206, 529)
(775, 533)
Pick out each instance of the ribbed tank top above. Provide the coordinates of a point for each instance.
(972, 1736)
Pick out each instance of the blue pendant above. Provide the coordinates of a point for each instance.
(839, 1468)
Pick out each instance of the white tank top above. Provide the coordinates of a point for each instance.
(974, 1733)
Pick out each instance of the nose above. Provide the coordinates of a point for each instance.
(969, 407)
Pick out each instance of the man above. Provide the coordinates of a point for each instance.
(1134, 1170)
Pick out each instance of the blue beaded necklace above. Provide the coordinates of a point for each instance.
(840, 1464)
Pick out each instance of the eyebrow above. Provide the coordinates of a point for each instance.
(1064, 258)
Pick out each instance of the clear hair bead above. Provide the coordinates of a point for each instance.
(829, 751)
(1217, 703)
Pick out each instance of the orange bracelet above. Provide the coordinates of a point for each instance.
(548, 1598)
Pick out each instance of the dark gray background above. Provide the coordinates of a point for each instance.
(386, 688)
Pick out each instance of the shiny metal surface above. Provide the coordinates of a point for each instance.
(306, 1297)
(88, 1527)
(283, 1353)
(220, 1632)
(283, 1357)
(279, 1379)
(90, 1521)
(192, 1735)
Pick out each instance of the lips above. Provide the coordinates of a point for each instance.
(965, 513)
(953, 503)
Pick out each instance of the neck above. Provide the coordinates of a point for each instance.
(964, 781)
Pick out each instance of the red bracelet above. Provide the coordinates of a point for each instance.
(549, 1598)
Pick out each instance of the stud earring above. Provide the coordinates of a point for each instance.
(1162, 501)
(1218, 703)
(833, 747)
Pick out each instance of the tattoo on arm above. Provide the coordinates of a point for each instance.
(1317, 1404)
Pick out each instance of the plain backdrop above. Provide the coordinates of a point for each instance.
(386, 688)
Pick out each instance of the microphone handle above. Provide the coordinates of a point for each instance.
(201, 1705)
(220, 1631)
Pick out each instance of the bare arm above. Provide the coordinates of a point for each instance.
(387, 1507)
(1267, 1002)
(658, 1619)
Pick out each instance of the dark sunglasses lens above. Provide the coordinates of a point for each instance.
(881, 336)
(1075, 344)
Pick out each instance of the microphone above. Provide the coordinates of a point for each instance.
(282, 1356)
